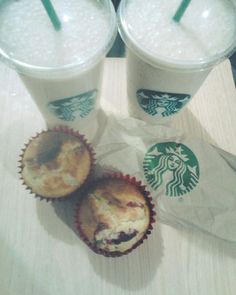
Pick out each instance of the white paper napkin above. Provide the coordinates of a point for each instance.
(192, 182)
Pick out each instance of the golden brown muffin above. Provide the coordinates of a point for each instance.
(55, 164)
(113, 216)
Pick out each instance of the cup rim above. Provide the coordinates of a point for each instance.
(56, 71)
(162, 61)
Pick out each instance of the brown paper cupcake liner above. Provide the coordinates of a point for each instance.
(149, 202)
(66, 130)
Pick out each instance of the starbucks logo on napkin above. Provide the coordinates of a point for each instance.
(68, 108)
(173, 166)
(162, 104)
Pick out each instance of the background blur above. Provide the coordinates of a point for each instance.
(118, 49)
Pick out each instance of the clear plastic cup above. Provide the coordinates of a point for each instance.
(159, 85)
(66, 88)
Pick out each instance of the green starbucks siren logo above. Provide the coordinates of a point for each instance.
(172, 166)
(66, 109)
(162, 104)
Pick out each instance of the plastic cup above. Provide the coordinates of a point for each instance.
(62, 70)
(167, 62)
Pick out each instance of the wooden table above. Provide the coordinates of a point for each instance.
(40, 252)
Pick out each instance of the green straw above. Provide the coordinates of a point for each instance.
(52, 14)
(181, 10)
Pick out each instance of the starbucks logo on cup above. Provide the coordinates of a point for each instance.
(69, 108)
(161, 104)
(173, 167)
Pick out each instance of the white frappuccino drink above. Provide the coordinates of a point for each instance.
(167, 61)
(61, 69)
(207, 28)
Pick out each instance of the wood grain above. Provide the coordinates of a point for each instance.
(40, 252)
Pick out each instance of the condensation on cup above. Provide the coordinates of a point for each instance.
(167, 62)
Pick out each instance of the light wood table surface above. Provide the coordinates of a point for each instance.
(40, 252)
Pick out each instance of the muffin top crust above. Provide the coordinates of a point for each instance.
(55, 164)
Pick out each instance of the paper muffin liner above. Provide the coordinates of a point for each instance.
(69, 131)
(149, 202)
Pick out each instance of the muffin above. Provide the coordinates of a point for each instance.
(114, 215)
(55, 163)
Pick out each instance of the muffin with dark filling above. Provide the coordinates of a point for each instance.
(56, 163)
(114, 216)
